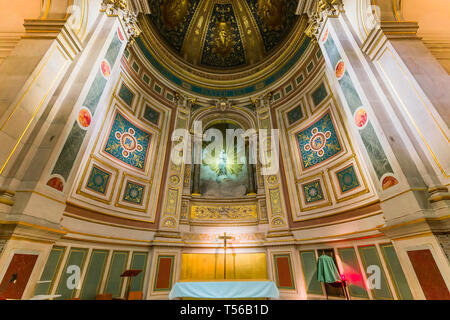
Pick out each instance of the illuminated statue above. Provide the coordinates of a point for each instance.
(222, 164)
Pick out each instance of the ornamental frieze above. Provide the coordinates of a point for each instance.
(223, 212)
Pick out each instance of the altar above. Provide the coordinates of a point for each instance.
(225, 290)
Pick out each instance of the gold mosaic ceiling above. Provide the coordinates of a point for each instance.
(223, 34)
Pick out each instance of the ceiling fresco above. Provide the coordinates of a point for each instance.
(223, 33)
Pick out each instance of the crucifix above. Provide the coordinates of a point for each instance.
(225, 238)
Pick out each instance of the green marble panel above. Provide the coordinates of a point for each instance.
(94, 274)
(369, 257)
(309, 267)
(76, 257)
(396, 272)
(138, 261)
(50, 271)
(356, 285)
(114, 281)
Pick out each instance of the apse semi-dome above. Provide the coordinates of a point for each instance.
(223, 34)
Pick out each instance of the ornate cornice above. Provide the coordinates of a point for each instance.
(321, 11)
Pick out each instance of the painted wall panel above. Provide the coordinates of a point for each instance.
(396, 272)
(356, 285)
(309, 267)
(371, 260)
(283, 271)
(16, 277)
(164, 272)
(76, 258)
(94, 274)
(138, 261)
(430, 278)
(114, 281)
(50, 270)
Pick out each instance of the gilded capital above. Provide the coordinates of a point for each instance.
(319, 13)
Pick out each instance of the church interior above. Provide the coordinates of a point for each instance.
(337, 191)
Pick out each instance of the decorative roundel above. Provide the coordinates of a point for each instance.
(312, 192)
(360, 118)
(128, 142)
(56, 183)
(174, 180)
(106, 69)
(84, 118)
(134, 192)
(325, 36)
(318, 141)
(340, 69)
(99, 180)
(272, 179)
(388, 182)
(119, 33)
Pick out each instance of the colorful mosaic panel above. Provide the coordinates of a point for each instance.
(126, 95)
(151, 115)
(313, 191)
(318, 142)
(347, 179)
(127, 143)
(98, 180)
(319, 94)
(134, 193)
(295, 114)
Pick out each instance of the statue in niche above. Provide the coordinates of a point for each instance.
(221, 174)
(222, 164)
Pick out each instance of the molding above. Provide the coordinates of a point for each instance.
(54, 29)
(388, 30)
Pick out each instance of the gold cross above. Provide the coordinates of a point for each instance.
(225, 238)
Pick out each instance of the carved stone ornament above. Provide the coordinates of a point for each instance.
(129, 18)
(321, 11)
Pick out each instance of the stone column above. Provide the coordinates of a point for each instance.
(277, 214)
(37, 125)
(170, 215)
(398, 124)
(251, 173)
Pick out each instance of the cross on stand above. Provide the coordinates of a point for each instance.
(225, 238)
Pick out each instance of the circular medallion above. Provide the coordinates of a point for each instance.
(312, 192)
(388, 182)
(325, 36)
(317, 141)
(340, 69)
(360, 118)
(128, 142)
(272, 179)
(56, 183)
(98, 180)
(119, 33)
(174, 180)
(106, 69)
(84, 118)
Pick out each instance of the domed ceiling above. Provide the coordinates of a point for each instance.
(223, 33)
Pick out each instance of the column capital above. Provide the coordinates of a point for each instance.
(319, 13)
(128, 18)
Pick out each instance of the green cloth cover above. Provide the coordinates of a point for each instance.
(327, 270)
